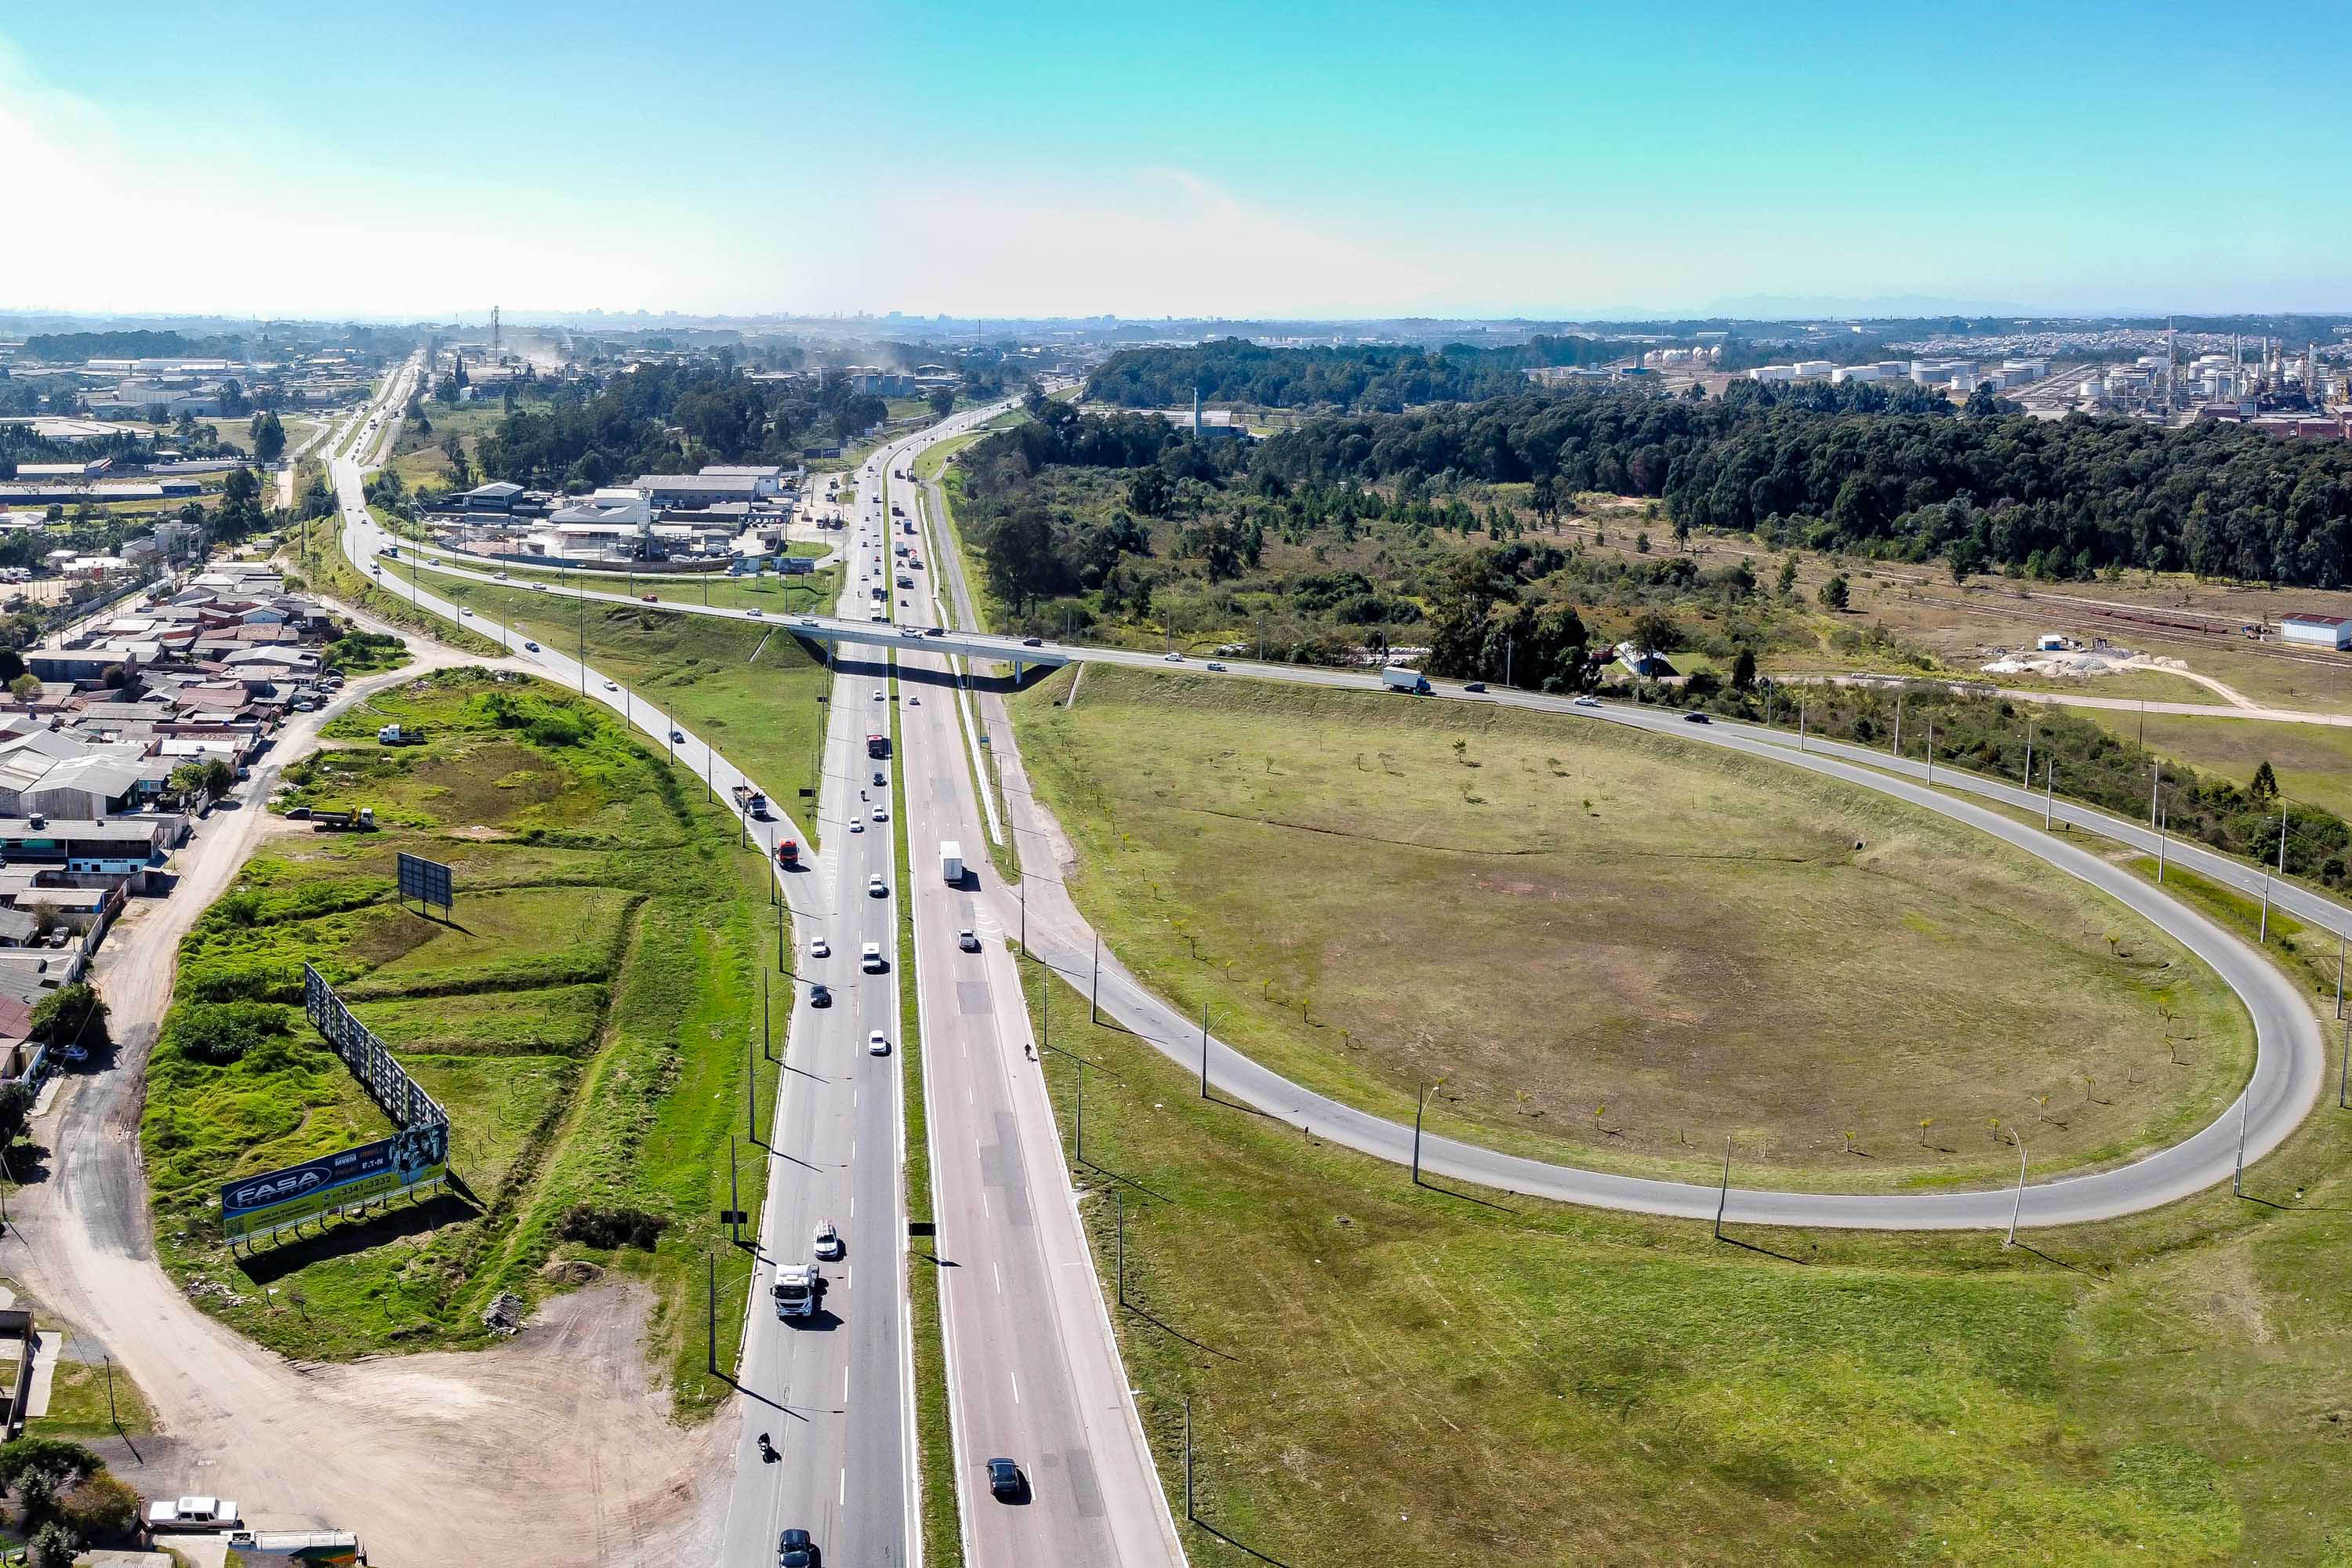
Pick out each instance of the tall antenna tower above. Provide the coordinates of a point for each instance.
(494, 331)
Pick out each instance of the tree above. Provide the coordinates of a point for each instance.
(944, 401)
(1743, 669)
(2264, 790)
(25, 687)
(1151, 492)
(70, 1013)
(54, 1545)
(15, 1110)
(1834, 594)
(1656, 632)
(219, 777)
(1787, 583)
(267, 432)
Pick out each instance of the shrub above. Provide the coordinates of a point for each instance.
(221, 1032)
(607, 1229)
(99, 1508)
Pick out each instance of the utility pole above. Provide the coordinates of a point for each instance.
(1205, 1049)
(1418, 1106)
(1801, 723)
(2029, 750)
(734, 1197)
(2339, 975)
(1723, 1195)
(710, 1332)
(2017, 1207)
(1898, 723)
(1931, 750)
(1094, 1003)
(2155, 780)
(1119, 1211)
(2265, 933)
(2049, 788)
(1188, 1460)
(1078, 1117)
(1508, 648)
(2162, 841)
(2238, 1178)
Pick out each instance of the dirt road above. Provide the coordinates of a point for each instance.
(554, 1449)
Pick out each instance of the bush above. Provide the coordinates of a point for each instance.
(99, 1508)
(62, 1462)
(607, 1229)
(71, 1012)
(219, 1033)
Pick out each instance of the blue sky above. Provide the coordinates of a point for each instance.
(1309, 159)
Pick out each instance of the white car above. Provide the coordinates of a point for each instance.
(498, 576)
(1173, 658)
(913, 702)
(881, 813)
(1586, 701)
(612, 686)
(753, 612)
(877, 1044)
(855, 825)
(877, 696)
(827, 1245)
(874, 887)
(820, 948)
(870, 958)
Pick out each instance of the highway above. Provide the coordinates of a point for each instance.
(834, 1392)
(2290, 1063)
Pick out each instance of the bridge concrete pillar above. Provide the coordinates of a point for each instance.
(1016, 674)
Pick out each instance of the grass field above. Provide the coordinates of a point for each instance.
(590, 1017)
(2312, 763)
(1455, 1381)
(1617, 949)
(753, 689)
(79, 1405)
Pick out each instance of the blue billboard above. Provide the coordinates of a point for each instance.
(255, 1206)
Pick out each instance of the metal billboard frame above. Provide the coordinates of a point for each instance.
(426, 882)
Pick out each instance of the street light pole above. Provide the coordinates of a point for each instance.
(2017, 1207)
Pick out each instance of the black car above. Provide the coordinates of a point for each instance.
(795, 1549)
(820, 997)
(1005, 1480)
(1033, 642)
(1473, 686)
(1696, 719)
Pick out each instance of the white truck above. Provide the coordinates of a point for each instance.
(198, 1513)
(951, 862)
(400, 735)
(795, 1290)
(1407, 680)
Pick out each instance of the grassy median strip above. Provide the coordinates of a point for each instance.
(751, 688)
(589, 1014)
(942, 1515)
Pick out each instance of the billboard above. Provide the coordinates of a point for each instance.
(257, 1206)
(412, 1161)
(426, 882)
(379, 1072)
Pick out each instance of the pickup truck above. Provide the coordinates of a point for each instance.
(753, 802)
(200, 1513)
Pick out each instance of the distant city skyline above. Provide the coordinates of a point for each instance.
(1308, 161)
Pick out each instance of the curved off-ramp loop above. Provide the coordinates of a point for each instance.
(2289, 1066)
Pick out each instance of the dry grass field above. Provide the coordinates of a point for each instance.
(1618, 949)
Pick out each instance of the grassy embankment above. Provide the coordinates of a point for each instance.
(1372, 1363)
(1617, 949)
(330, 573)
(751, 688)
(590, 1018)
